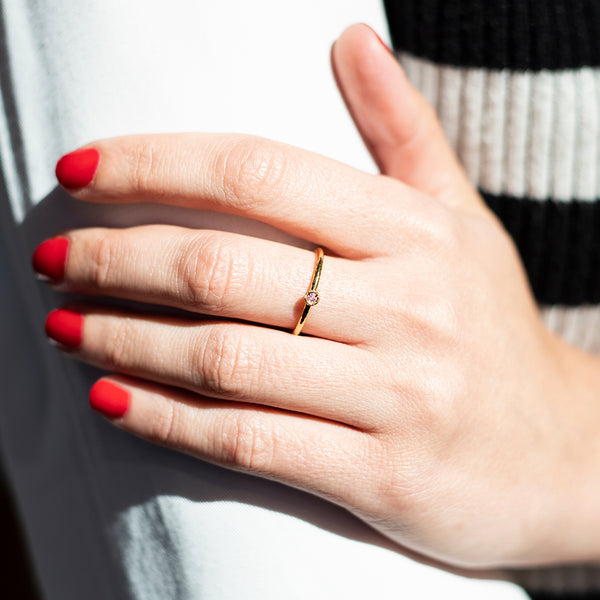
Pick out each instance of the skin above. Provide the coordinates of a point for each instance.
(425, 395)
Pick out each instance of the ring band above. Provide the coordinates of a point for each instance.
(311, 298)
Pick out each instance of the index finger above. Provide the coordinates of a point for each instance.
(352, 213)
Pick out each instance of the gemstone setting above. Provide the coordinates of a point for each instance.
(311, 298)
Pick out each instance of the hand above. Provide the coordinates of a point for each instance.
(426, 397)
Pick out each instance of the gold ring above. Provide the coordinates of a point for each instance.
(311, 298)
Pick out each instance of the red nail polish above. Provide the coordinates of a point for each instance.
(50, 257)
(109, 399)
(77, 169)
(65, 327)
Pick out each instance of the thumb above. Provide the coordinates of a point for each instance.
(397, 124)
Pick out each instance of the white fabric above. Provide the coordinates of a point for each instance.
(108, 515)
(524, 134)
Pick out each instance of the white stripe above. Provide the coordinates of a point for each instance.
(413, 68)
(517, 119)
(565, 138)
(494, 148)
(578, 326)
(429, 83)
(541, 127)
(469, 139)
(448, 102)
(587, 105)
(525, 134)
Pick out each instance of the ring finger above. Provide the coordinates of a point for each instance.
(214, 273)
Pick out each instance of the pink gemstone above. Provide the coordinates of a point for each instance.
(312, 298)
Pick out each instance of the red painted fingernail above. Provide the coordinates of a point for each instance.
(65, 327)
(109, 399)
(50, 257)
(76, 169)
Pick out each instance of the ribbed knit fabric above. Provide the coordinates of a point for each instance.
(516, 84)
(518, 35)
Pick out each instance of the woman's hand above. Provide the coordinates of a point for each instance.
(426, 397)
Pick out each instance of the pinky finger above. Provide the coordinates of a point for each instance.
(306, 452)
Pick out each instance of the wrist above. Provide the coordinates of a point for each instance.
(576, 530)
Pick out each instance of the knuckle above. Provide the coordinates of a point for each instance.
(430, 229)
(396, 480)
(429, 397)
(226, 366)
(248, 442)
(438, 320)
(118, 344)
(207, 273)
(102, 260)
(142, 166)
(438, 399)
(252, 168)
(164, 429)
(441, 233)
(429, 319)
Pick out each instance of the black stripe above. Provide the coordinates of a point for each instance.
(514, 34)
(559, 243)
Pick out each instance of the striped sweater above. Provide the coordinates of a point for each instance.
(516, 84)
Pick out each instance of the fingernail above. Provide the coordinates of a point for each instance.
(77, 169)
(50, 257)
(109, 399)
(65, 327)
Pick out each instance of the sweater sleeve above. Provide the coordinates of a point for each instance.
(516, 85)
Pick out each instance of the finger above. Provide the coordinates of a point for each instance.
(296, 191)
(230, 361)
(305, 452)
(399, 127)
(221, 274)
